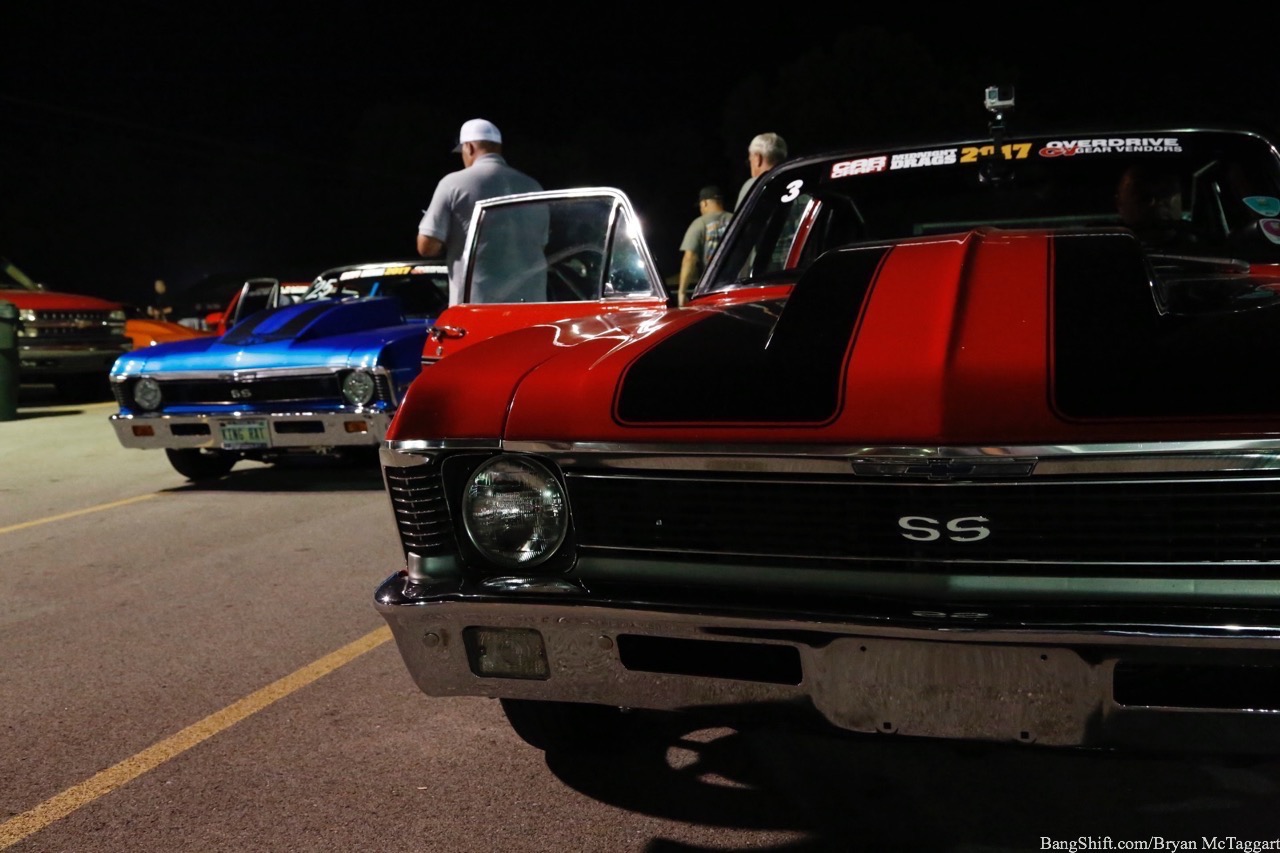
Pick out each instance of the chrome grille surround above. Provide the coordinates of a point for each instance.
(54, 326)
(255, 387)
(1152, 508)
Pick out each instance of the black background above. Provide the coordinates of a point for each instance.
(182, 141)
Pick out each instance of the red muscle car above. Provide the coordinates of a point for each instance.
(942, 446)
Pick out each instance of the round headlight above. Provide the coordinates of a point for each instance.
(146, 393)
(515, 511)
(358, 387)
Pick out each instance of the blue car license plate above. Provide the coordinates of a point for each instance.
(244, 434)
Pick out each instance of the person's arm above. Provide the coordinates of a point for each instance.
(691, 245)
(437, 219)
(688, 275)
(429, 247)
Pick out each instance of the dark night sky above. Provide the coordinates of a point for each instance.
(172, 140)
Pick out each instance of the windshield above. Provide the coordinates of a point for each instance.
(1202, 193)
(422, 289)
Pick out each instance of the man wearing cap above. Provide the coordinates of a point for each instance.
(702, 238)
(484, 174)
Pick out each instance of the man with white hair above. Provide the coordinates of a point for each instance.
(765, 151)
(484, 174)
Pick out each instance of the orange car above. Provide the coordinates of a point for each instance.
(146, 331)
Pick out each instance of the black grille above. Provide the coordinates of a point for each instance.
(384, 388)
(1079, 522)
(286, 389)
(417, 499)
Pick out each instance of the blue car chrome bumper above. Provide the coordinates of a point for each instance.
(253, 431)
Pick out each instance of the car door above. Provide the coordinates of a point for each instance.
(541, 257)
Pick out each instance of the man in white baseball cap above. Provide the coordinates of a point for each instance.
(477, 130)
(484, 174)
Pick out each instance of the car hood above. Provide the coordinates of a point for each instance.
(326, 333)
(47, 300)
(985, 337)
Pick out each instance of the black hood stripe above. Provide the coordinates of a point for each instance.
(1118, 356)
(246, 331)
(760, 363)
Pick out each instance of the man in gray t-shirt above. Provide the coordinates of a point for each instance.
(701, 239)
(484, 174)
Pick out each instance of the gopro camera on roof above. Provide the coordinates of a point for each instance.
(999, 98)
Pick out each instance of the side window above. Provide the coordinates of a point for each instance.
(420, 296)
(780, 240)
(627, 272)
(576, 250)
(513, 250)
(794, 230)
(567, 248)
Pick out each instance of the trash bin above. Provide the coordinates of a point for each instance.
(8, 361)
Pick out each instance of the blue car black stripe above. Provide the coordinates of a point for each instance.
(772, 362)
(246, 331)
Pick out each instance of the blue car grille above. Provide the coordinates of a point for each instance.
(320, 388)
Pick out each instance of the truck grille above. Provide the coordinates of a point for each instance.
(66, 327)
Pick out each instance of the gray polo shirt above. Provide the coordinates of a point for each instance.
(448, 215)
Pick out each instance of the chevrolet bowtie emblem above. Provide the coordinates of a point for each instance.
(943, 469)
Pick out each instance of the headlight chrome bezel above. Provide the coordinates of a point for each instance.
(515, 512)
(147, 394)
(359, 388)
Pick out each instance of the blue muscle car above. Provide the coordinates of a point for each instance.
(319, 376)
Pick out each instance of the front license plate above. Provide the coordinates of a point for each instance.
(960, 690)
(244, 434)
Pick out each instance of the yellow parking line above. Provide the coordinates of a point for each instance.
(17, 828)
(74, 513)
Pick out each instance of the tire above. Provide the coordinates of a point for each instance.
(575, 728)
(197, 465)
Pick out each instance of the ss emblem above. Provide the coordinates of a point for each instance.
(241, 393)
(966, 528)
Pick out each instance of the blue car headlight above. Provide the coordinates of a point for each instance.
(358, 387)
(146, 393)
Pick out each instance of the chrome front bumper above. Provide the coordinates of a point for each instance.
(1087, 686)
(287, 430)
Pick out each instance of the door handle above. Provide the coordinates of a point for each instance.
(439, 333)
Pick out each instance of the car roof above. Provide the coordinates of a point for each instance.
(1016, 130)
(418, 264)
